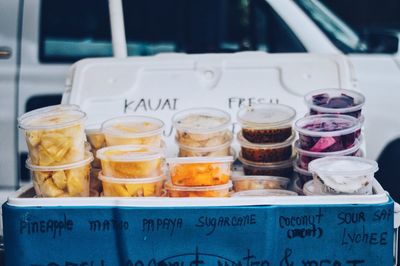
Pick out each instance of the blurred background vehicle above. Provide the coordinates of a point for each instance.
(40, 39)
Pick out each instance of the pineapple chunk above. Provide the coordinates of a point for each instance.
(149, 190)
(134, 189)
(40, 177)
(120, 190)
(60, 179)
(33, 137)
(49, 189)
(75, 181)
(44, 157)
(56, 145)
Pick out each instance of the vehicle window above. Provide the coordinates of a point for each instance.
(341, 35)
(68, 33)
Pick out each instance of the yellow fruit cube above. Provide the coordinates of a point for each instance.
(49, 189)
(149, 190)
(56, 145)
(75, 181)
(33, 137)
(60, 179)
(134, 189)
(120, 190)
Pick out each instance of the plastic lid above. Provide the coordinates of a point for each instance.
(186, 160)
(333, 125)
(280, 179)
(129, 153)
(144, 180)
(133, 126)
(201, 120)
(349, 151)
(281, 164)
(359, 100)
(93, 128)
(170, 186)
(45, 119)
(264, 193)
(206, 149)
(266, 115)
(88, 159)
(343, 165)
(247, 144)
(52, 108)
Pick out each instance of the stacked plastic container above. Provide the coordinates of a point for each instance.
(332, 128)
(203, 168)
(58, 159)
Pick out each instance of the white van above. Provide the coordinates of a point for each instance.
(40, 39)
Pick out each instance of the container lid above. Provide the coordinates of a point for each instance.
(206, 149)
(247, 144)
(131, 126)
(144, 180)
(52, 108)
(266, 115)
(201, 120)
(327, 125)
(281, 164)
(264, 193)
(343, 165)
(349, 100)
(88, 159)
(45, 119)
(280, 179)
(170, 186)
(129, 153)
(187, 160)
(300, 170)
(349, 151)
(93, 129)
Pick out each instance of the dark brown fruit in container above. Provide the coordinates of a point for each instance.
(284, 171)
(267, 155)
(267, 135)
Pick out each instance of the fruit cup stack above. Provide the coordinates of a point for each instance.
(332, 128)
(132, 158)
(266, 139)
(203, 132)
(58, 160)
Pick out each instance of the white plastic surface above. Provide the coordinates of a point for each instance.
(160, 86)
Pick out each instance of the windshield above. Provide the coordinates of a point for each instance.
(342, 36)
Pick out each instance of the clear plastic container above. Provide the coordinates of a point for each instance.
(202, 127)
(335, 101)
(54, 137)
(133, 130)
(266, 123)
(69, 180)
(123, 187)
(131, 161)
(327, 133)
(200, 171)
(243, 182)
(266, 153)
(310, 190)
(95, 183)
(297, 186)
(97, 140)
(284, 168)
(305, 157)
(344, 174)
(52, 108)
(201, 191)
(303, 175)
(213, 151)
(264, 193)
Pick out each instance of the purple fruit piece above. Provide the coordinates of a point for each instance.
(348, 99)
(320, 99)
(306, 142)
(323, 144)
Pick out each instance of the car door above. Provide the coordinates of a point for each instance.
(9, 60)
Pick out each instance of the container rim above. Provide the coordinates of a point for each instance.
(281, 164)
(247, 144)
(24, 123)
(144, 180)
(264, 193)
(136, 155)
(187, 160)
(38, 168)
(107, 126)
(170, 186)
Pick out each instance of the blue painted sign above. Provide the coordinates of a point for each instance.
(353, 235)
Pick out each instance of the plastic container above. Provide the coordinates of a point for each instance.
(266, 123)
(54, 137)
(264, 193)
(69, 180)
(297, 186)
(201, 191)
(303, 175)
(344, 174)
(133, 130)
(243, 182)
(335, 101)
(213, 151)
(123, 187)
(131, 161)
(284, 168)
(202, 127)
(97, 140)
(266, 153)
(305, 157)
(52, 108)
(200, 171)
(327, 133)
(95, 183)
